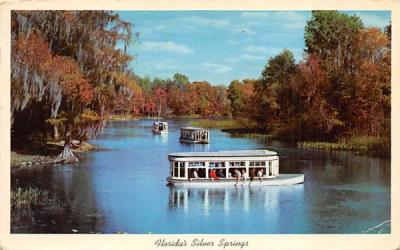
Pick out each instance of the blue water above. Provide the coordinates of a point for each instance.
(122, 188)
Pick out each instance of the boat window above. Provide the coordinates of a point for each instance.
(257, 163)
(217, 164)
(197, 164)
(176, 169)
(181, 169)
(237, 164)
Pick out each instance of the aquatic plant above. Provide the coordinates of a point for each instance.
(28, 197)
(359, 144)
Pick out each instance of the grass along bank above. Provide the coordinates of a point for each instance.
(359, 144)
(226, 124)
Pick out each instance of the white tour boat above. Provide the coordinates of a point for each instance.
(225, 168)
(195, 135)
(160, 127)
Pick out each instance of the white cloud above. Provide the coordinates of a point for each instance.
(255, 49)
(204, 21)
(246, 57)
(255, 14)
(370, 20)
(292, 15)
(287, 19)
(259, 53)
(166, 47)
(163, 65)
(216, 68)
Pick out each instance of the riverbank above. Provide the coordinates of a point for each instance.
(248, 129)
(358, 144)
(31, 156)
(228, 125)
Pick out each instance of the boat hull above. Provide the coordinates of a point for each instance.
(281, 180)
(194, 141)
(156, 132)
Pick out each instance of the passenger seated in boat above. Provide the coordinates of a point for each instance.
(260, 174)
(213, 175)
(237, 175)
(244, 176)
(252, 175)
(194, 174)
(220, 174)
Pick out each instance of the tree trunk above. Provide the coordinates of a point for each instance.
(56, 133)
(67, 156)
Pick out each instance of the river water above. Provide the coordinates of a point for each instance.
(122, 188)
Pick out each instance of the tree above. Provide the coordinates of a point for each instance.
(275, 76)
(330, 35)
(388, 31)
(180, 80)
(235, 98)
(67, 61)
(370, 106)
(160, 99)
(317, 118)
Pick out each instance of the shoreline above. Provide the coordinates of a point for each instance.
(364, 144)
(29, 158)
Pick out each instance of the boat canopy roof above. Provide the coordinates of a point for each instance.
(160, 122)
(233, 153)
(192, 128)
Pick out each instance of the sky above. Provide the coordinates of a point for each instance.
(220, 46)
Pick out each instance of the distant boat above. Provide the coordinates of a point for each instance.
(160, 127)
(228, 168)
(194, 135)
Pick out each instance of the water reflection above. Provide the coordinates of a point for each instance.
(242, 198)
(161, 138)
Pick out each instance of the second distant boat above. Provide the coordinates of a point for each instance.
(195, 135)
(160, 127)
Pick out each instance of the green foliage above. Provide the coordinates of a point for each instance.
(180, 79)
(235, 98)
(278, 69)
(330, 35)
(272, 89)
